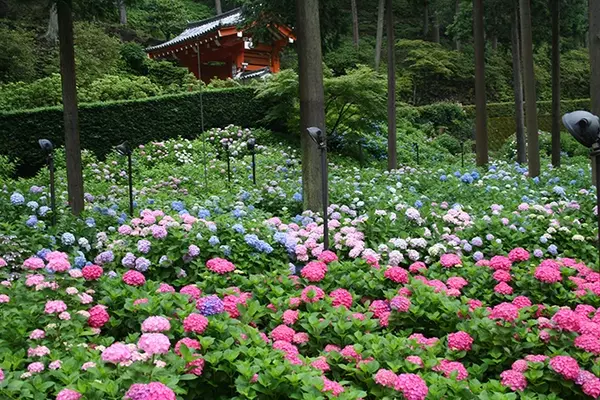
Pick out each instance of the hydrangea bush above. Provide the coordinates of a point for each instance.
(441, 283)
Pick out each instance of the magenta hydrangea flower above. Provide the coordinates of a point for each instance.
(55, 307)
(150, 391)
(327, 257)
(195, 323)
(283, 332)
(312, 294)
(565, 366)
(191, 344)
(192, 291)
(518, 254)
(134, 278)
(396, 274)
(412, 386)
(116, 353)
(68, 394)
(450, 260)
(515, 380)
(460, 341)
(400, 304)
(385, 377)
(219, 266)
(547, 274)
(290, 316)
(314, 271)
(333, 387)
(341, 297)
(92, 272)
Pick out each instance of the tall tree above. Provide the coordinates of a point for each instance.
(122, 12)
(52, 31)
(355, 37)
(436, 26)
(556, 117)
(594, 50)
(533, 150)
(379, 39)
(218, 7)
(312, 98)
(69, 95)
(457, 44)
(391, 50)
(425, 19)
(481, 134)
(518, 87)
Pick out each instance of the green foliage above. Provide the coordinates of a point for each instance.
(134, 58)
(17, 58)
(346, 57)
(171, 77)
(105, 125)
(166, 18)
(39, 93)
(7, 168)
(115, 87)
(449, 116)
(223, 83)
(449, 143)
(96, 53)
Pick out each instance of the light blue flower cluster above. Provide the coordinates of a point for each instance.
(17, 199)
(177, 205)
(43, 210)
(286, 240)
(258, 244)
(67, 239)
(238, 228)
(31, 221)
(213, 241)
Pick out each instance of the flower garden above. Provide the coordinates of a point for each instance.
(441, 282)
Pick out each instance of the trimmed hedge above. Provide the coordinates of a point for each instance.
(104, 125)
(544, 108)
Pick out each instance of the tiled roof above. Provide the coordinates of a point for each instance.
(197, 29)
(253, 74)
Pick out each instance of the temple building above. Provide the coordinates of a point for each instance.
(219, 47)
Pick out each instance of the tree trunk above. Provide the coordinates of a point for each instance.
(533, 148)
(52, 31)
(556, 117)
(594, 49)
(457, 44)
(312, 98)
(69, 96)
(494, 42)
(218, 7)
(436, 27)
(481, 135)
(391, 50)
(379, 40)
(354, 22)
(518, 88)
(122, 12)
(426, 20)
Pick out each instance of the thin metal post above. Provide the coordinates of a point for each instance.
(596, 154)
(325, 196)
(130, 173)
(52, 187)
(228, 164)
(462, 154)
(416, 147)
(253, 167)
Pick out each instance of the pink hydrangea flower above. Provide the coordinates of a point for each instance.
(33, 263)
(134, 278)
(195, 323)
(417, 267)
(341, 297)
(55, 307)
(333, 387)
(321, 364)
(290, 316)
(54, 365)
(92, 272)
(156, 324)
(456, 282)
(379, 307)
(165, 288)
(116, 353)
(283, 332)
(415, 360)
(515, 380)
(448, 367)
(220, 266)
(518, 254)
(37, 334)
(4, 298)
(592, 388)
(300, 337)
(396, 274)
(503, 288)
(547, 274)
(567, 320)
(450, 260)
(327, 257)
(460, 341)
(506, 311)
(68, 394)
(501, 275)
(565, 366)
(192, 291)
(191, 344)
(522, 302)
(385, 377)
(500, 263)
(312, 294)
(150, 391)
(35, 367)
(154, 343)
(589, 343)
(520, 365)
(98, 316)
(412, 386)
(400, 304)
(314, 271)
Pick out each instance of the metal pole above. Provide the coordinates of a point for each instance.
(596, 154)
(52, 187)
(228, 165)
(325, 197)
(253, 167)
(130, 185)
(462, 154)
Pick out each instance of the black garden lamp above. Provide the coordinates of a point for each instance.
(585, 128)
(124, 150)
(48, 149)
(317, 136)
(226, 146)
(252, 150)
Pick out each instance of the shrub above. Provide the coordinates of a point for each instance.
(17, 58)
(39, 93)
(96, 53)
(104, 125)
(134, 58)
(114, 87)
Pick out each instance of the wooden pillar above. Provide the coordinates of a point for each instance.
(594, 50)
(481, 134)
(556, 117)
(392, 151)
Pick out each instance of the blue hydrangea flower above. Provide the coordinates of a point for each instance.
(538, 253)
(245, 195)
(477, 256)
(297, 197)
(226, 250)
(258, 244)
(476, 241)
(443, 178)
(203, 213)
(106, 256)
(91, 222)
(467, 247)
(33, 205)
(238, 228)
(183, 212)
(142, 264)
(559, 190)
(17, 199)
(212, 227)
(552, 249)
(31, 221)
(210, 305)
(43, 210)
(80, 262)
(42, 253)
(418, 204)
(543, 239)
(67, 239)
(467, 178)
(237, 213)
(111, 213)
(213, 241)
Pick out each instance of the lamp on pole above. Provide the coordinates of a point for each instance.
(48, 149)
(252, 149)
(124, 150)
(318, 137)
(585, 128)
